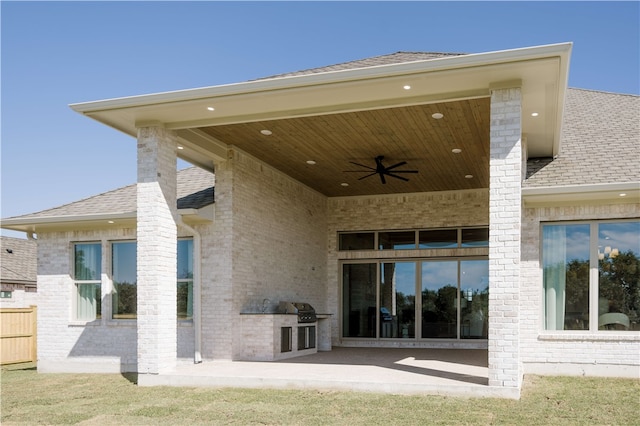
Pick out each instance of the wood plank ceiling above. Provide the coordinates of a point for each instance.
(408, 133)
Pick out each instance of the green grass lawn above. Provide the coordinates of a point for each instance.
(110, 399)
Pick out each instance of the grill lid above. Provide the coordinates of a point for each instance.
(305, 311)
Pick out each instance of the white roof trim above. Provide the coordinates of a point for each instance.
(599, 192)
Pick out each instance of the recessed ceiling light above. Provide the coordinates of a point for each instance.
(406, 87)
(311, 162)
(534, 114)
(456, 150)
(110, 221)
(622, 194)
(468, 176)
(344, 184)
(211, 108)
(180, 147)
(437, 115)
(266, 132)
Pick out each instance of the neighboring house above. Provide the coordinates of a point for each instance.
(18, 273)
(519, 233)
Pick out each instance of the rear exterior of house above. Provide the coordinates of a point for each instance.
(522, 243)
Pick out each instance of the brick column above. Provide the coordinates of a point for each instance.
(157, 247)
(505, 208)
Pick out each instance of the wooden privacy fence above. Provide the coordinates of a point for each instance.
(18, 335)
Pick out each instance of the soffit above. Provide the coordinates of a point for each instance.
(355, 115)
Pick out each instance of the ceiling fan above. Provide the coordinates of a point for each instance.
(381, 170)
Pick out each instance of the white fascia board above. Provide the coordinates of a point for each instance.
(51, 222)
(375, 72)
(602, 192)
(98, 220)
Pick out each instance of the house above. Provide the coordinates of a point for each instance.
(18, 272)
(413, 200)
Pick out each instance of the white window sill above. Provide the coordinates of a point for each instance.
(600, 336)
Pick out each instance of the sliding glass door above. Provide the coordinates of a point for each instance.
(379, 299)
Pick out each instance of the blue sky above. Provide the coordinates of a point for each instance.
(58, 53)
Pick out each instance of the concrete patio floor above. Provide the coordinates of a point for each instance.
(452, 372)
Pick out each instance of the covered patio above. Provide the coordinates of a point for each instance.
(450, 372)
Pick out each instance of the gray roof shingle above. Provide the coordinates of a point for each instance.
(19, 261)
(393, 58)
(600, 142)
(194, 190)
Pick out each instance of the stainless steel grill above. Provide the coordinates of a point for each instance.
(305, 311)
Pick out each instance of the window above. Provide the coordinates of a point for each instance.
(591, 275)
(5, 294)
(410, 299)
(357, 241)
(185, 279)
(87, 278)
(123, 272)
(406, 240)
(396, 240)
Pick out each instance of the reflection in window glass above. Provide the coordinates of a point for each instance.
(185, 279)
(357, 241)
(124, 297)
(87, 276)
(398, 300)
(439, 238)
(397, 240)
(439, 299)
(359, 300)
(619, 276)
(474, 301)
(476, 237)
(565, 262)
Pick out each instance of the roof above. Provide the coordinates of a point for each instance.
(600, 142)
(194, 191)
(19, 261)
(392, 58)
(379, 86)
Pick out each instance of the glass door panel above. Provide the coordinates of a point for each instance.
(439, 299)
(474, 304)
(398, 300)
(359, 300)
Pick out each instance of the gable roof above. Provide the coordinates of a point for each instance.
(194, 191)
(19, 261)
(600, 144)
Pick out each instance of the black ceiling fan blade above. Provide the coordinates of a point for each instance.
(382, 178)
(370, 174)
(398, 177)
(402, 163)
(404, 171)
(362, 165)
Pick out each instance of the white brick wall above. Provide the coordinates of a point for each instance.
(65, 345)
(268, 242)
(504, 237)
(616, 354)
(157, 250)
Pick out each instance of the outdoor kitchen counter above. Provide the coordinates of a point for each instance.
(262, 335)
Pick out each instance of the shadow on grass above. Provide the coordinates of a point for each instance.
(27, 366)
(131, 377)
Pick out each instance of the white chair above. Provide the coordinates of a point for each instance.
(613, 318)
